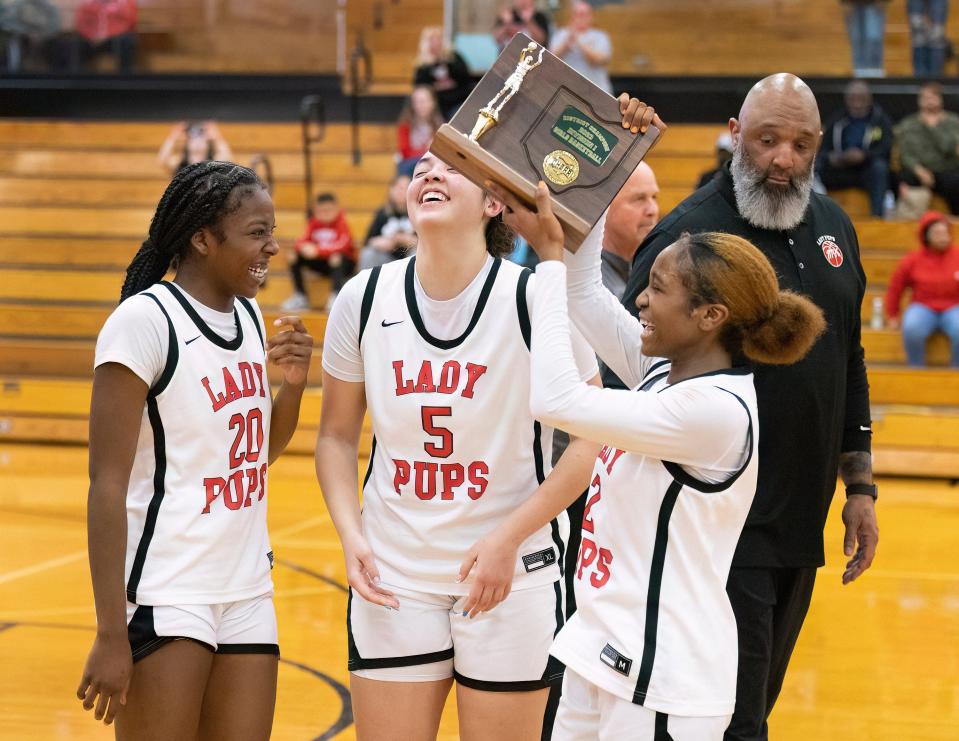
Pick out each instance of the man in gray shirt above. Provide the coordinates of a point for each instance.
(584, 48)
(632, 215)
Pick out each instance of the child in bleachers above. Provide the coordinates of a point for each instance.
(326, 248)
(391, 236)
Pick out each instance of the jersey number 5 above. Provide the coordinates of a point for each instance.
(445, 447)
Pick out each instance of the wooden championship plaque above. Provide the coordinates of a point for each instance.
(532, 117)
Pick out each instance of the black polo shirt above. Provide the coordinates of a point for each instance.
(811, 411)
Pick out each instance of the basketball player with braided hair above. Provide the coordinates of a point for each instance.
(652, 648)
(183, 425)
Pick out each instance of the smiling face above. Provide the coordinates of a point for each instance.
(238, 250)
(440, 198)
(672, 328)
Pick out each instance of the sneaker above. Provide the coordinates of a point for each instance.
(296, 302)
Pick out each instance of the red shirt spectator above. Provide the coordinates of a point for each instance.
(97, 20)
(932, 272)
(325, 237)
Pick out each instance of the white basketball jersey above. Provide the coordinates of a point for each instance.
(455, 447)
(196, 503)
(653, 623)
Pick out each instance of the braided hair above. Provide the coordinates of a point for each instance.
(199, 196)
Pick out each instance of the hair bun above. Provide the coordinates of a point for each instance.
(788, 333)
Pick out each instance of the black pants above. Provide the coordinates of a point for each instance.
(123, 47)
(770, 607)
(338, 275)
(946, 185)
(871, 176)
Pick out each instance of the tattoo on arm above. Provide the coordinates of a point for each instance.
(855, 467)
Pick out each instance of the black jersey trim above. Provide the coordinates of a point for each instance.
(202, 325)
(660, 732)
(369, 465)
(653, 592)
(656, 366)
(541, 477)
(739, 370)
(530, 685)
(355, 662)
(159, 457)
(522, 307)
(477, 312)
(650, 381)
(271, 649)
(686, 479)
(367, 306)
(245, 303)
(172, 353)
(153, 510)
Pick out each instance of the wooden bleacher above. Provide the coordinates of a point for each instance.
(76, 199)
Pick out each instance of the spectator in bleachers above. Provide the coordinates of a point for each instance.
(724, 153)
(932, 272)
(584, 48)
(28, 30)
(928, 144)
(326, 248)
(856, 144)
(927, 27)
(189, 143)
(391, 236)
(632, 216)
(418, 123)
(105, 26)
(866, 26)
(440, 67)
(521, 17)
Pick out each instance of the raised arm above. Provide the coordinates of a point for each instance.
(614, 334)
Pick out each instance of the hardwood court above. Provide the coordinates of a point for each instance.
(877, 660)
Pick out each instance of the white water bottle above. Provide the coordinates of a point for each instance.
(876, 321)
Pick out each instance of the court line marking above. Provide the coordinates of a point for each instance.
(42, 566)
(309, 572)
(346, 704)
(344, 721)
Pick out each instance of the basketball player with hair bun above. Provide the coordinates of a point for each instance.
(183, 426)
(652, 650)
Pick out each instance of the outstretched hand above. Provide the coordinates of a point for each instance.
(540, 228)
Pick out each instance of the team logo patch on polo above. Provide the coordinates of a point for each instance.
(615, 660)
(830, 250)
(539, 560)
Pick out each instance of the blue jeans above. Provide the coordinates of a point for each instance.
(919, 322)
(927, 26)
(866, 26)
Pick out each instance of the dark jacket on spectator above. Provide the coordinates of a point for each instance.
(877, 141)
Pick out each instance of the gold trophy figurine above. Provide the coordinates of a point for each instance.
(489, 114)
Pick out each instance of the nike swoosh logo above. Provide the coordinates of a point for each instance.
(189, 341)
(385, 323)
(865, 429)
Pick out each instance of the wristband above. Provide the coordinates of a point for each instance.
(869, 490)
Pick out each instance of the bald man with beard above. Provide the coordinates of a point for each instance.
(814, 419)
